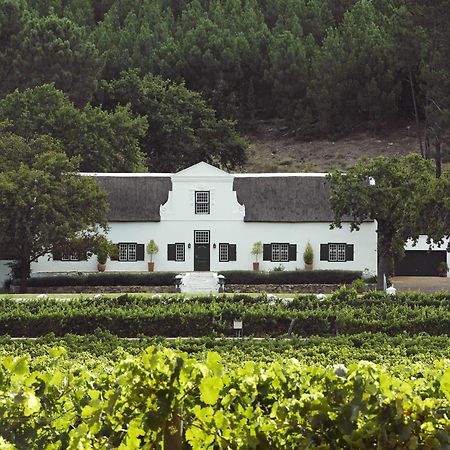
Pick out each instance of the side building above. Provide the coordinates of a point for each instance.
(205, 219)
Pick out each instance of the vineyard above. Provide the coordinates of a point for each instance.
(356, 372)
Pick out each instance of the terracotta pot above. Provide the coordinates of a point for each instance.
(308, 266)
(256, 266)
(101, 267)
(151, 266)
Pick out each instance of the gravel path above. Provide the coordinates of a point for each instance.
(423, 284)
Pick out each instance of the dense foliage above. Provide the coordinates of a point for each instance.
(130, 315)
(401, 194)
(141, 401)
(44, 202)
(321, 66)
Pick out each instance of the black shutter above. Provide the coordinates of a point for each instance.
(349, 252)
(140, 252)
(171, 252)
(267, 252)
(324, 252)
(115, 257)
(231, 252)
(56, 253)
(292, 252)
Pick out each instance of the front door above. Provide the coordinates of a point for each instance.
(201, 250)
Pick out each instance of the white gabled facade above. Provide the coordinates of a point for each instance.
(202, 226)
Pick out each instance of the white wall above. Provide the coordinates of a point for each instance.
(226, 225)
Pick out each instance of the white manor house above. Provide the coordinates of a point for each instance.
(205, 219)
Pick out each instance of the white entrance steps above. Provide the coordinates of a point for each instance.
(200, 283)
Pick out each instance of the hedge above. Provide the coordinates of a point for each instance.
(174, 316)
(291, 277)
(104, 279)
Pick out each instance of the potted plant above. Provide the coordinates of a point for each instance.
(257, 250)
(104, 249)
(442, 269)
(152, 249)
(308, 256)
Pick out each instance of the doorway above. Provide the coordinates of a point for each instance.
(202, 251)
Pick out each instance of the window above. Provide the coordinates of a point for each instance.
(223, 252)
(280, 252)
(227, 252)
(336, 252)
(202, 202)
(179, 252)
(69, 257)
(176, 252)
(201, 237)
(127, 252)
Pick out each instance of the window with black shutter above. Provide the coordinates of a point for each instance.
(227, 252)
(336, 252)
(130, 252)
(176, 252)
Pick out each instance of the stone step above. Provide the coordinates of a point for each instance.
(199, 283)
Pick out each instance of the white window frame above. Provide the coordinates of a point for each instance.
(224, 252)
(70, 257)
(279, 252)
(337, 252)
(127, 251)
(201, 237)
(180, 254)
(202, 202)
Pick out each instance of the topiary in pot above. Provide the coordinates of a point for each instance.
(152, 249)
(256, 251)
(442, 269)
(104, 249)
(308, 256)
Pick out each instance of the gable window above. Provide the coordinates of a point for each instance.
(227, 252)
(176, 252)
(280, 252)
(201, 202)
(130, 252)
(336, 252)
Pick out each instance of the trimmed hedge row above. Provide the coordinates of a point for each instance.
(291, 277)
(167, 278)
(104, 279)
(205, 316)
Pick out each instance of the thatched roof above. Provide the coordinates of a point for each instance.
(284, 198)
(267, 198)
(136, 198)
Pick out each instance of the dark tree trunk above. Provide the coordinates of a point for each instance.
(24, 274)
(383, 265)
(438, 158)
(416, 113)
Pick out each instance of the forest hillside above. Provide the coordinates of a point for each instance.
(136, 85)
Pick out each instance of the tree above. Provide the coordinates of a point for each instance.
(182, 130)
(45, 203)
(106, 141)
(53, 49)
(401, 201)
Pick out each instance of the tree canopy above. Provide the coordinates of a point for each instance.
(182, 129)
(406, 200)
(105, 141)
(45, 203)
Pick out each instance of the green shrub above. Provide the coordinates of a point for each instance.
(104, 279)
(291, 277)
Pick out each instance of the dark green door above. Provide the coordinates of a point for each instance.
(201, 257)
